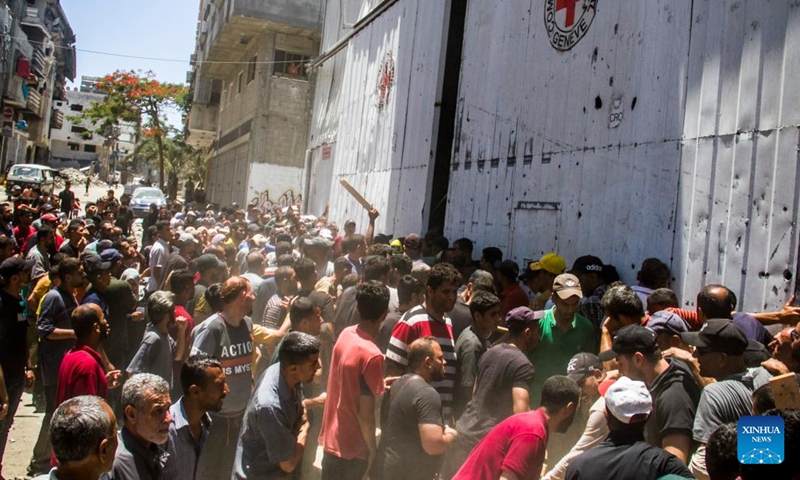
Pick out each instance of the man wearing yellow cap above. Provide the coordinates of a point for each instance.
(539, 277)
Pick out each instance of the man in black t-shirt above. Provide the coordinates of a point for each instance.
(66, 198)
(15, 273)
(414, 436)
(671, 383)
(502, 386)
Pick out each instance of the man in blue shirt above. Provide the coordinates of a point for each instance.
(274, 431)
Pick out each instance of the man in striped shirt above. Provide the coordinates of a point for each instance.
(430, 319)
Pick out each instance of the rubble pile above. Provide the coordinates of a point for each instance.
(76, 177)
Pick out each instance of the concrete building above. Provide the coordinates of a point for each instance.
(621, 129)
(75, 144)
(251, 96)
(38, 57)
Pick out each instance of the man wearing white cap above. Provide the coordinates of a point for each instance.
(624, 455)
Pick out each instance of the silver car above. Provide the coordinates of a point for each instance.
(143, 197)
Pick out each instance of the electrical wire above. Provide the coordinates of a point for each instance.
(156, 59)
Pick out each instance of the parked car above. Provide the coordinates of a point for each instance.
(144, 196)
(131, 186)
(29, 175)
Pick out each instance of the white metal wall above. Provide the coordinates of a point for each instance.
(536, 165)
(384, 153)
(739, 178)
(700, 172)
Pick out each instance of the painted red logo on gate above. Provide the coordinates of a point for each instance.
(567, 21)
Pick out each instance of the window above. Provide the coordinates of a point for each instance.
(251, 69)
(240, 82)
(74, 147)
(90, 148)
(58, 104)
(78, 129)
(76, 108)
(290, 64)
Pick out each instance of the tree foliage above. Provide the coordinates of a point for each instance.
(180, 159)
(140, 99)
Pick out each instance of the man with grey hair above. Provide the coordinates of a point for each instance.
(83, 433)
(145, 403)
(158, 350)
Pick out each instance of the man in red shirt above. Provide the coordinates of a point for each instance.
(511, 294)
(515, 448)
(81, 371)
(356, 378)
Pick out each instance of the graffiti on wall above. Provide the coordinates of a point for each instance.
(264, 202)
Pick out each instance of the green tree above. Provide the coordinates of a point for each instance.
(140, 99)
(180, 160)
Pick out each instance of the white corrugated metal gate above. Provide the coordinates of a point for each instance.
(375, 112)
(670, 130)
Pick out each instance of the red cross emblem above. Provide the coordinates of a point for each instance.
(569, 5)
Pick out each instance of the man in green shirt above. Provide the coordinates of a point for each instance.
(565, 332)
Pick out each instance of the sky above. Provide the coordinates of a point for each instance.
(162, 29)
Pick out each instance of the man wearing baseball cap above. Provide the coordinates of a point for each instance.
(501, 389)
(719, 348)
(668, 327)
(565, 332)
(539, 277)
(587, 371)
(591, 271)
(671, 382)
(624, 455)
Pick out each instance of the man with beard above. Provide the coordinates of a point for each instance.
(501, 389)
(158, 350)
(227, 335)
(56, 336)
(515, 448)
(81, 371)
(204, 386)
(624, 454)
(674, 391)
(6, 218)
(430, 319)
(275, 430)
(414, 437)
(145, 400)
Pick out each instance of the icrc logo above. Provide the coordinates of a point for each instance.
(567, 21)
(760, 440)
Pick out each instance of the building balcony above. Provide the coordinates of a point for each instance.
(34, 104)
(34, 21)
(231, 29)
(57, 119)
(201, 125)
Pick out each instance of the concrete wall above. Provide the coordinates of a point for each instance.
(306, 14)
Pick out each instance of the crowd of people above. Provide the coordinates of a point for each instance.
(235, 343)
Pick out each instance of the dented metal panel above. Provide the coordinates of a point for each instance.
(740, 176)
(377, 102)
(670, 130)
(595, 129)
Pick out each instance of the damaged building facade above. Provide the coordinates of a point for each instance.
(625, 130)
(37, 57)
(251, 97)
